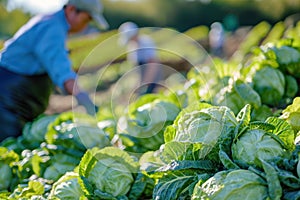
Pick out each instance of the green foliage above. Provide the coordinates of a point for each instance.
(292, 114)
(34, 189)
(233, 185)
(291, 86)
(34, 132)
(197, 133)
(197, 33)
(175, 185)
(253, 38)
(275, 33)
(10, 22)
(67, 187)
(269, 84)
(203, 151)
(5, 177)
(142, 187)
(76, 131)
(284, 131)
(253, 145)
(236, 95)
(60, 164)
(141, 129)
(107, 172)
(274, 187)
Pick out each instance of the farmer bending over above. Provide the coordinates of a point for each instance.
(142, 52)
(35, 59)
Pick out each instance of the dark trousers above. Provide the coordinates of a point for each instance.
(22, 99)
(150, 87)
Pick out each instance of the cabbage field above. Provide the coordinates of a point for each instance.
(230, 131)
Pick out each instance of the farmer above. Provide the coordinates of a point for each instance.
(141, 52)
(35, 60)
(216, 39)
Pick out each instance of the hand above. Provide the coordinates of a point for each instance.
(84, 100)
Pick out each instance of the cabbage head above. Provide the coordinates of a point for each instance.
(74, 131)
(284, 55)
(204, 126)
(141, 129)
(232, 185)
(34, 132)
(107, 173)
(255, 145)
(60, 164)
(91, 137)
(269, 83)
(291, 86)
(236, 95)
(289, 59)
(67, 188)
(199, 128)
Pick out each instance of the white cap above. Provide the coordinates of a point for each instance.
(94, 8)
(127, 31)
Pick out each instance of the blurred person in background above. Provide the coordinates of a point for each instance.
(216, 39)
(141, 51)
(35, 60)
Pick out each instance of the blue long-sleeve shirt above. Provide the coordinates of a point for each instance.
(39, 47)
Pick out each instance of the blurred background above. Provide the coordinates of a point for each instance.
(193, 18)
(178, 14)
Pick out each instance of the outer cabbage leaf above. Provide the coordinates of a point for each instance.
(253, 145)
(269, 84)
(236, 95)
(181, 151)
(142, 128)
(291, 86)
(32, 190)
(199, 133)
(177, 185)
(274, 187)
(7, 161)
(5, 176)
(92, 137)
(292, 114)
(76, 132)
(261, 113)
(284, 131)
(67, 187)
(34, 132)
(60, 164)
(289, 59)
(232, 185)
(107, 172)
(142, 187)
(150, 161)
(177, 179)
(286, 55)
